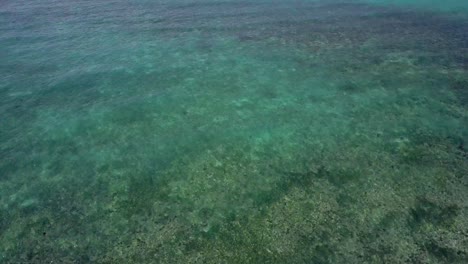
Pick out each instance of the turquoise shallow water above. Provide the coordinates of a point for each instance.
(233, 132)
(444, 6)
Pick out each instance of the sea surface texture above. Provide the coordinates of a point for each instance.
(249, 131)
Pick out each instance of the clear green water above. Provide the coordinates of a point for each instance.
(233, 132)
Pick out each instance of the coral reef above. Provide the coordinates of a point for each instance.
(237, 132)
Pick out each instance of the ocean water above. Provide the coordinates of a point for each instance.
(233, 131)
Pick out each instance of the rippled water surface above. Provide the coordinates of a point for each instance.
(233, 131)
